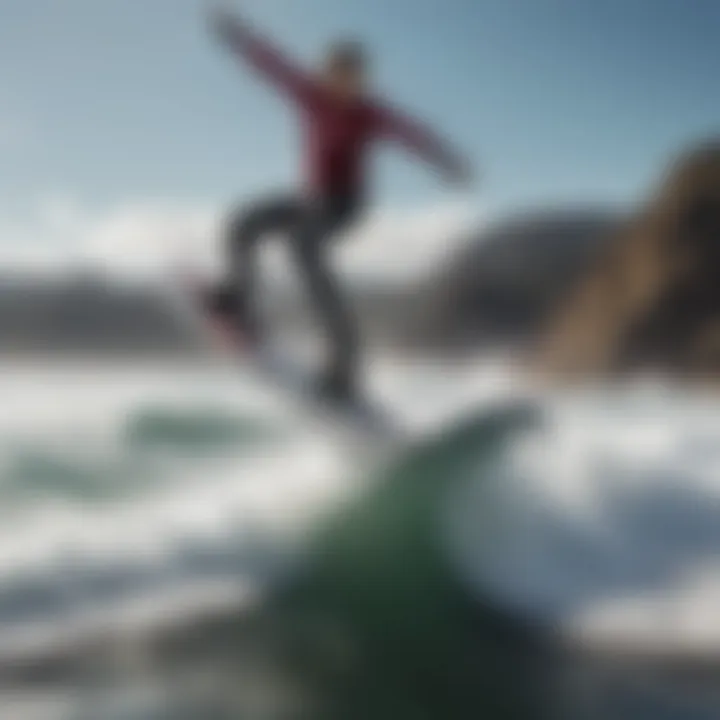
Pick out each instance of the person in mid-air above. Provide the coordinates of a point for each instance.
(341, 121)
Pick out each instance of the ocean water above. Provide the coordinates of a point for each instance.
(186, 543)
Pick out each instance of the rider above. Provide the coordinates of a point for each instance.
(340, 120)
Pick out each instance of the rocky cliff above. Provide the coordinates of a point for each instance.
(652, 300)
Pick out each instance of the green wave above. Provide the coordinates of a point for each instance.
(144, 456)
(379, 627)
(33, 472)
(196, 431)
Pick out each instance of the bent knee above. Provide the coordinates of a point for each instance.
(243, 226)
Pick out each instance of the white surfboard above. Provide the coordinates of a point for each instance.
(273, 364)
(278, 367)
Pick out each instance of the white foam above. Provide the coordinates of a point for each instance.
(605, 524)
(230, 506)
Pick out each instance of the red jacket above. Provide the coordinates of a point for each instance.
(337, 135)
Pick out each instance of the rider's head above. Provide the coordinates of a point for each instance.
(345, 68)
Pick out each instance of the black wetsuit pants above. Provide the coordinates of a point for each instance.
(309, 225)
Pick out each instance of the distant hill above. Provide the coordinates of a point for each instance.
(88, 316)
(497, 289)
(508, 279)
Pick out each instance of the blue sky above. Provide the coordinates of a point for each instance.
(122, 100)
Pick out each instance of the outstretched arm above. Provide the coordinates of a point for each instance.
(262, 56)
(422, 142)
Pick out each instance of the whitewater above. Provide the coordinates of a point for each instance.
(143, 499)
(127, 490)
(138, 499)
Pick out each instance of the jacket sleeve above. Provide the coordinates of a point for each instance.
(263, 57)
(418, 139)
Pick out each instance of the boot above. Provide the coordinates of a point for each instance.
(336, 386)
(227, 305)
